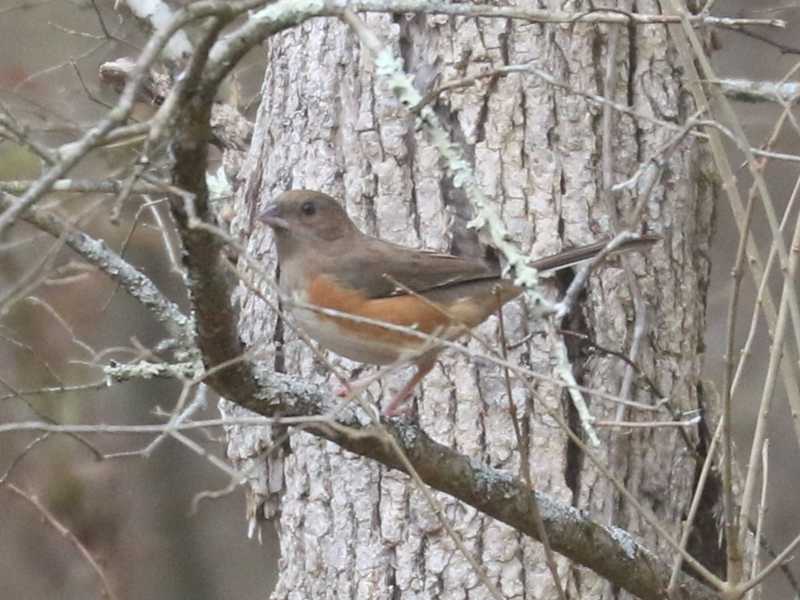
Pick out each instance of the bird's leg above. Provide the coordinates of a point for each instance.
(348, 389)
(343, 389)
(424, 366)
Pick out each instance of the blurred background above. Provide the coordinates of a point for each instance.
(134, 513)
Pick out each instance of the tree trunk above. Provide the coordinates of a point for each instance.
(349, 528)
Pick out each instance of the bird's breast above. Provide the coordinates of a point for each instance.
(368, 330)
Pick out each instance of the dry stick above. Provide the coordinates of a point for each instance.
(61, 389)
(748, 90)
(640, 307)
(78, 186)
(22, 454)
(102, 22)
(184, 87)
(660, 157)
(169, 245)
(86, 90)
(178, 417)
(150, 15)
(783, 48)
(751, 334)
(66, 533)
(706, 10)
(178, 414)
(646, 424)
(20, 136)
(731, 522)
(762, 509)
(565, 306)
(106, 428)
(47, 71)
(788, 112)
(127, 189)
(20, 242)
(524, 460)
(237, 476)
(693, 508)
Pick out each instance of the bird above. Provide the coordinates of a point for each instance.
(340, 284)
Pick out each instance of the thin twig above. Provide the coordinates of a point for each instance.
(697, 496)
(762, 509)
(66, 533)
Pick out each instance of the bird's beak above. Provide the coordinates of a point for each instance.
(271, 216)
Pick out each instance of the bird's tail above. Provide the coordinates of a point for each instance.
(573, 256)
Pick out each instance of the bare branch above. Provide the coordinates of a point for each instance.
(66, 533)
(134, 282)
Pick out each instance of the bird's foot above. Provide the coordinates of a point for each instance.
(400, 405)
(342, 389)
(350, 389)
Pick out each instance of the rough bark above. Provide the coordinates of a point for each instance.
(349, 528)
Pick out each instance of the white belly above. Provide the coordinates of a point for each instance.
(328, 334)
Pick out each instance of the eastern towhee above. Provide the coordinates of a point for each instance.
(326, 262)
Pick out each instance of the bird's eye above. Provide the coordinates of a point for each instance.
(308, 209)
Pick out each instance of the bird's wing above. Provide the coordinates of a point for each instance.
(380, 269)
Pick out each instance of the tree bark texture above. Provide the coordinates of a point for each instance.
(351, 529)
